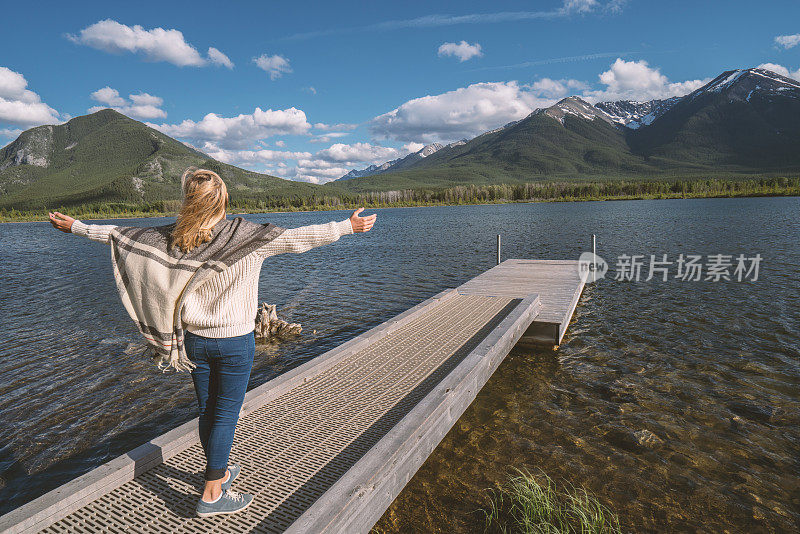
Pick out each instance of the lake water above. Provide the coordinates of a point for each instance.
(676, 402)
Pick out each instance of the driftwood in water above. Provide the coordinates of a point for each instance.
(269, 327)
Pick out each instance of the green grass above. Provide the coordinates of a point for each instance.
(534, 504)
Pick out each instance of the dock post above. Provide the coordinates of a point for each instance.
(498, 249)
(594, 259)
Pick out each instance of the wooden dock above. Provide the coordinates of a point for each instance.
(557, 282)
(327, 446)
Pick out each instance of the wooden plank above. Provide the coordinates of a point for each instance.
(557, 282)
(571, 310)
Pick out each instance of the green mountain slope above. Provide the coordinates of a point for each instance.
(108, 157)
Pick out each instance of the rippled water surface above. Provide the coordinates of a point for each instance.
(676, 402)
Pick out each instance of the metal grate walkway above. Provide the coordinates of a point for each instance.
(295, 447)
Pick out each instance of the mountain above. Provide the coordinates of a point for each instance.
(635, 114)
(395, 164)
(108, 157)
(571, 138)
(623, 112)
(574, 107)
(742, 119)
(742, 122)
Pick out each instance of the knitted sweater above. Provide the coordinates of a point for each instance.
(226, 305)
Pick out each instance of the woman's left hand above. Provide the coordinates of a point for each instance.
(61, 222)
(362, 224)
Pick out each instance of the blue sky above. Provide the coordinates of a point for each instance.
(307, 91)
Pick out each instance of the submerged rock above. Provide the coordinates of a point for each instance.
(269, 327)
(645, 438)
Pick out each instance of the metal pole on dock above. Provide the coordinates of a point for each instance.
(498, 249)
(594, 258)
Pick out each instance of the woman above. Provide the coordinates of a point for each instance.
(217, 314)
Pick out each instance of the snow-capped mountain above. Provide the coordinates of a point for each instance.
(742, 84)
(369, 171)
(633, 114)
(738, 84)
(397, 164)
(573, 105)
(427, 150)
(706, 127)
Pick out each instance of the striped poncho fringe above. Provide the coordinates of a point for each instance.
(153, 278)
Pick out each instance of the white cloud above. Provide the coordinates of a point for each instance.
(553, 60)
(636, 80)
(626, 76)
(276, 66)
(780, 69)
(218, 58)
(615, 6)
(140, 106)
(280, 144)
(330, 133)
(413, 147)
(340, 126)
(358, 153)
(21, 106)
(788, 41)
(326, 138)
(472, 110)
(108, 96)
(549, 88)
(10, 133)
(317, 171)
(310, 90)
(12, 84)
(463, 50)
(145, 99)
(463, 112)
(335, 161)
(242, 131)
(579, 6)
(250, 157)
(317, 176)
(157, 44)
(433, 21)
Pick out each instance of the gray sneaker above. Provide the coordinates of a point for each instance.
(228, 503)
(234, 470)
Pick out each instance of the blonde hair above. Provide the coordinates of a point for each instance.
(205, 198)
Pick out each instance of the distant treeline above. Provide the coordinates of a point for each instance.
(467, 194)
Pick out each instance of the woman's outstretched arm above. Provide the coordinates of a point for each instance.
(96, 232)
(315, 235)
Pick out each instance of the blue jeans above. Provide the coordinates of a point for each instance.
(220, 380)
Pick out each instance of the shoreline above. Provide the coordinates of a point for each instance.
(93, 216)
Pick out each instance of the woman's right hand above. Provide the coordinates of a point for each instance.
(61, 222)
(362, 224)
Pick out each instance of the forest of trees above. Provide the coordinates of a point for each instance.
(469, 194)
